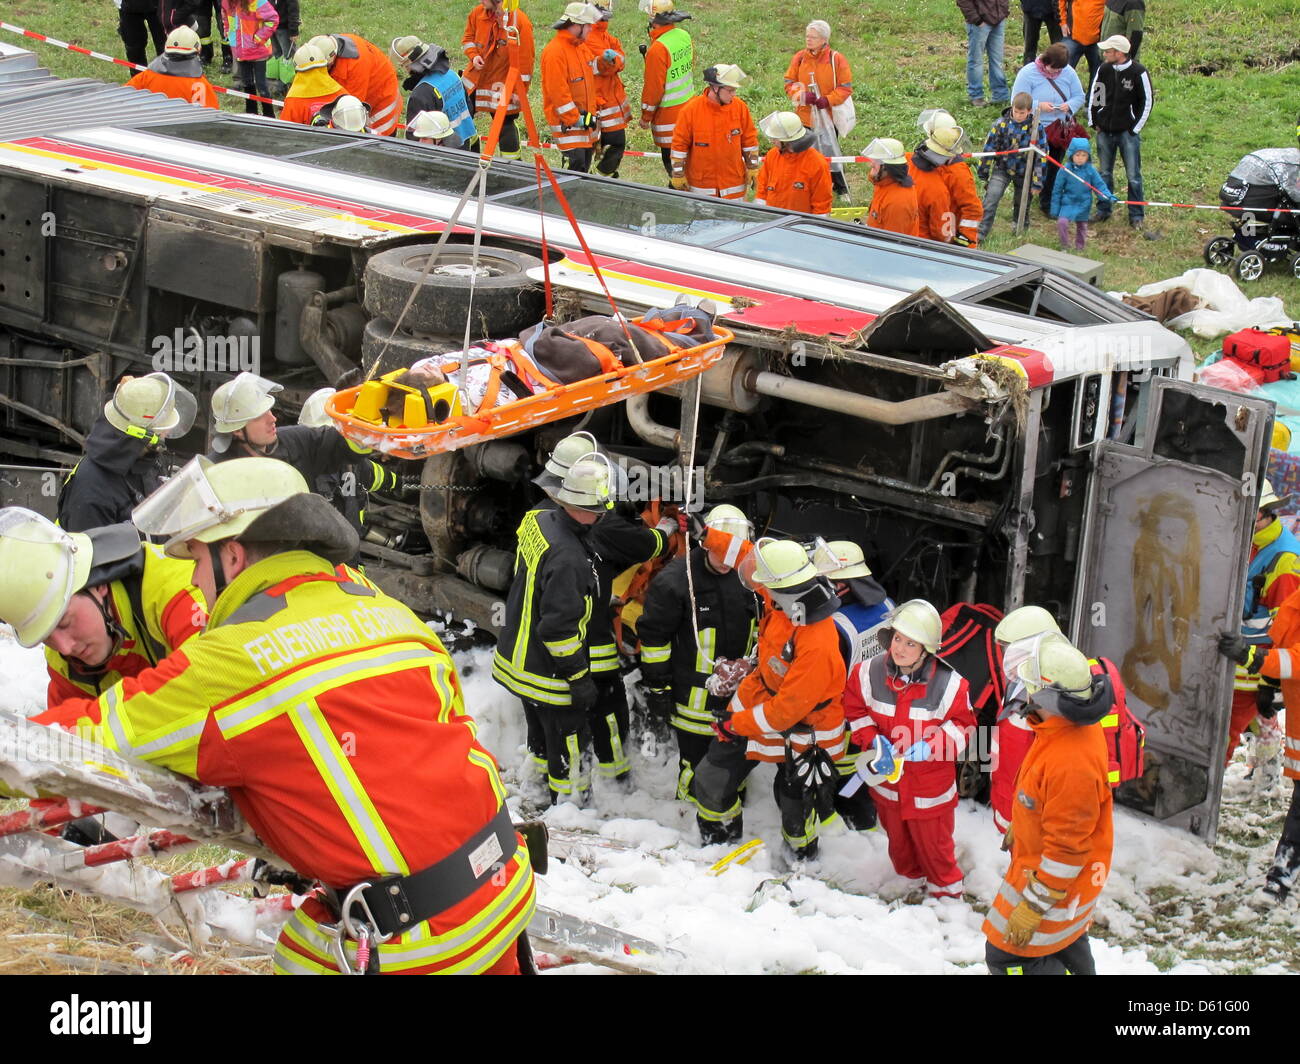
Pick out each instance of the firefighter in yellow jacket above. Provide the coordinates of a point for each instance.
(335, 718)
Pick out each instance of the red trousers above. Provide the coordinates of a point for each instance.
(1012, 744)
(1243, 712)
(923, 849)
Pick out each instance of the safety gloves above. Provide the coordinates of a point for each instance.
(1025, 917)
(1248, 655)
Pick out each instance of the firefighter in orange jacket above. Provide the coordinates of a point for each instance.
(569, 86)
(794, 174)
(486, 43)
(715, 144)
(611, 97)
(667, 85)
(312, 88)
(1061, 831)
(178, 73)
(788, 710)
(335, 718)
(906, 705)
(950, 207)
(893, 195)
(364, 71)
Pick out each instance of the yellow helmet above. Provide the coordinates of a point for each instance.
(328, 46)
(852, 562)
(313, 413)
(726, 76)
(1024, 623)
(41, 568)
(729, 519)
(182, 41)
(239, 401)
(781, 126)
(886, 150)
(782, 563)
(942, 133)
(349, 114)
(310, 57)
(1055, 662)
(588, 485)
(430, 125)
(151, 408)
(918, 621)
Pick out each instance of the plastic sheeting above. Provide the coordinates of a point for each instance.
(1226, 308)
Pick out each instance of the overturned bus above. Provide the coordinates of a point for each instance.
(987, 429)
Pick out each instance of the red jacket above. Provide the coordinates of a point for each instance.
(795, 180)
(933, 708)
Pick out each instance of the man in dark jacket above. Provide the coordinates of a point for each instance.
(1118, 107)
(137, 21)
(1039, 14)
(122, 464)
(986, 23)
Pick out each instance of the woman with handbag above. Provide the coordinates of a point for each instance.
(1058, 95)
(820, 85)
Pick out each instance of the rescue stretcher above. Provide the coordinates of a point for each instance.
(440, 424)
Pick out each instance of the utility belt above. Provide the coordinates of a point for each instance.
(374, 911)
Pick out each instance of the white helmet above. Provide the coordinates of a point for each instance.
(588, 485)
(430, 125)
(726, 76)
(852, 562)
(886, 150)
(403, 49)
(1024, 623)
(943, 135)
(237, 402)
(327, 44)
(918, 621)
(151, 407)
(1267, 496)
(211, 501)
(729, 519)
(782, 127)
(349, 114)
(569, 450)
(182, 41)
(310, 57)
(41, 568)
(578, 14)
(313, 413)
(782, 563)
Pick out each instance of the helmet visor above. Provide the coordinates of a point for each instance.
(187, 506)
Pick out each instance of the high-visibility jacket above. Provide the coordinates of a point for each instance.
(713, 146)
(617, 543)
(825, 71)
(611, 96)
(1081, 19)
(364, 71)
(963, 199)
(485, 37)
(931, 706)
(158, 609)
(935, 219)
(798, 179)
(894, 207)
(569, 91)
(543, 645)
(442, 90)
(1061, 830)
(190, 87)
(1283, 663)
(1270, 580)
(667, 86)
(726, 618)
(795, 690)
(335, 718)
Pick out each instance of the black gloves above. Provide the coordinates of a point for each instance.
(659, 703)
(1248, 655)
(582, 693)
(1268, 698)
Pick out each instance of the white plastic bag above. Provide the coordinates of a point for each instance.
(1226, 308)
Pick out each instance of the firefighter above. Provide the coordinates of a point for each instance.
(893, 195)
(312, 88)
(667, 85)
(486, 44)
(794, 174)
(364, 71)
(177, 72)
(433, 127)
(1061, 830)
(950, 207)
(1273, 576)
(715, 144)
(434, 87)
(334, 717)
(907, 705)
(819, 79)
(346, 113)
(244, 425)
(679, 647)
(122, 463)
(542, 654)
(788, 710)
(613, 109)
(569, 97)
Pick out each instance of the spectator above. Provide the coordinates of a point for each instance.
(819, 80)
(1072, 198)
(986, 24)
(1057, 95)
(1039, 14)
(1011, 132)
(794, 174)
(1081, 24)
(1125, 18)
(137, 21)
(253, 23)
(1118, 108)
(893, 197)
(279, 69)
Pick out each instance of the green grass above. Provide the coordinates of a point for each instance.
(1226, 76)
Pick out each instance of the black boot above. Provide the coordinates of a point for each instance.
(713, 832)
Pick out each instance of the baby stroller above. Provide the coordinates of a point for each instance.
(1256, 195)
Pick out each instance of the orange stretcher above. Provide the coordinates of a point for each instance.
(415, 435)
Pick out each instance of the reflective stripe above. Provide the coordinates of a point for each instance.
(563, 648)
(1293, 744)
(677, 79)
(656, 654)
(885, 792)
(618, 762)
(958, 736)
(972, 224)
(735, 190)
(733, 552)
(1111, 720)
(954, 889)
(708, 639)
(469, 48)
(566, 107)
(1059, 868)
(576, 782)
(1043, 939)
(1291, 763)
(383, 113)
(529, 685)
(931, 803)
(1000, 821)
(1284, 664)
(761, 721)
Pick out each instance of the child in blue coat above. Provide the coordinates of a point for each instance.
(1071, 199)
